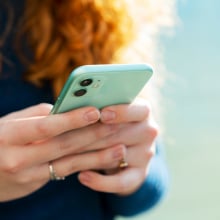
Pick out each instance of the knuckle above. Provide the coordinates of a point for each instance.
(153, 130)
(12, 165)
(24, 179)
(147, 108)
(104, 130)
(42, 128)
(72, 168)
(63, 145)
(103, 159)
(150, 152)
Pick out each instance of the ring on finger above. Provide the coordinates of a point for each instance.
(123, 164)
(52, 172)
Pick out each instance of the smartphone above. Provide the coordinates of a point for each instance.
(102, 85)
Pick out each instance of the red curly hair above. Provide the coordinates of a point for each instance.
(64, 34)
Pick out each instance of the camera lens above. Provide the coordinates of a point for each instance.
(80, 92)
(86, 82)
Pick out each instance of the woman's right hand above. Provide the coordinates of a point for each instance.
(31, 138)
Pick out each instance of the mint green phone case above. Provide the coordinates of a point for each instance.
(102, 85)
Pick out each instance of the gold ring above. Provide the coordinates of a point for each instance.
(52, 173)
(123, 164)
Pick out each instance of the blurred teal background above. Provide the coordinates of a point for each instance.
(192, 119)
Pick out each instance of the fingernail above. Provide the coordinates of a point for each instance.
(92, 115)
(108, 115)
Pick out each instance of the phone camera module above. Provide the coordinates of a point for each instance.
(80, 92)
(86, 82)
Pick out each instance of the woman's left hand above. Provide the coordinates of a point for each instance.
(137, 131)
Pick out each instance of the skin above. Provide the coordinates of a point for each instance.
(85, 140)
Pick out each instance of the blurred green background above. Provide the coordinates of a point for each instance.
(192, 119)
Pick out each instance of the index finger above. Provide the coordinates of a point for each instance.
(31, 129)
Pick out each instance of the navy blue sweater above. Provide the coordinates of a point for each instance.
(66, 199)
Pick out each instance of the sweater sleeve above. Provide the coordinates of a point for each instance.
(148, 195)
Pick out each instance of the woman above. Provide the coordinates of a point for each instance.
(104, 162)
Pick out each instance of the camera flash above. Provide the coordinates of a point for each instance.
(96, 85)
